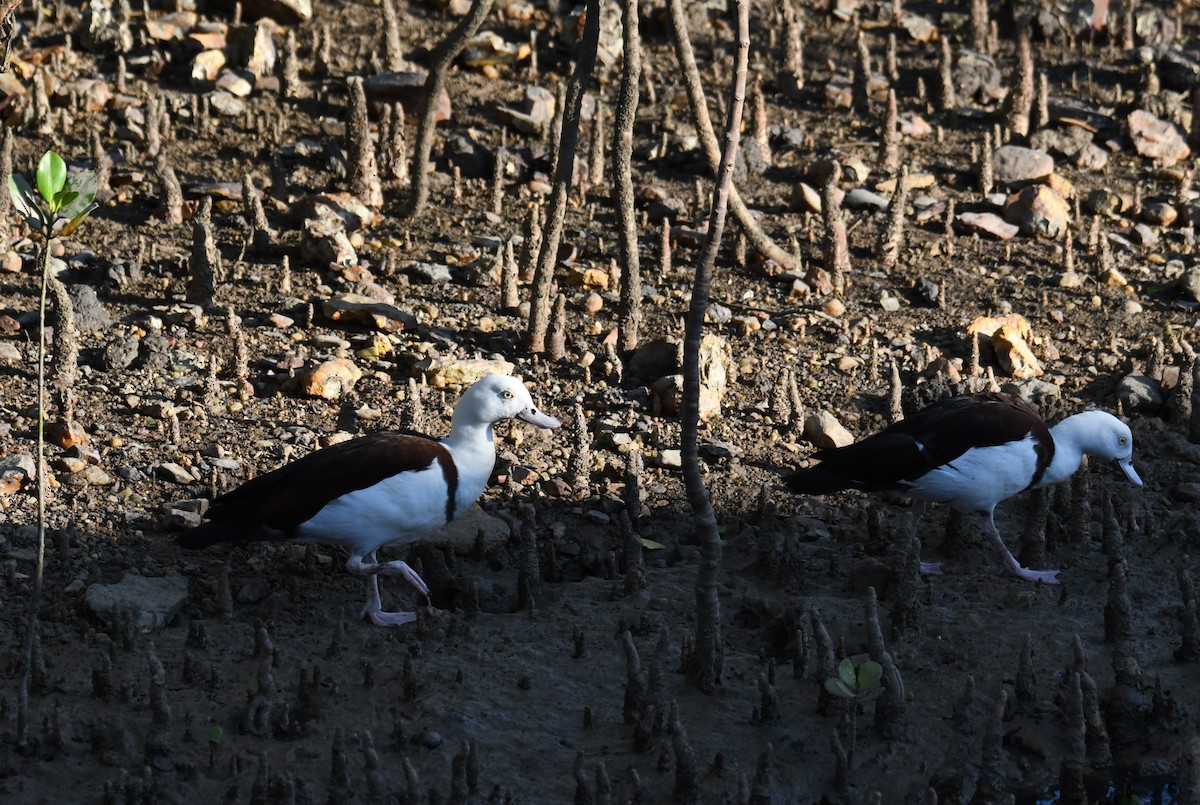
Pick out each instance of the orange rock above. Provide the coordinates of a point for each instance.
(331, 379)
(988, 325)
(1014, 354)
(66, 435)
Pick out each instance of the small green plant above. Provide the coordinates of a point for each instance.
(62, 201)
(855, 685)
(61, 204)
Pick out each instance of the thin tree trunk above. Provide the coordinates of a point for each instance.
(564, 173)
(707, 659)
(439, 65)
(627, 101)
(35, 602)
(708, 139)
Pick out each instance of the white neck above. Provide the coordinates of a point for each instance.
(473, 447)
(471, 436)
(1073, 438)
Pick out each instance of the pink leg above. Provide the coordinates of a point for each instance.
(373, 609)
(1011, 565)
(356, 565)
(914, 516)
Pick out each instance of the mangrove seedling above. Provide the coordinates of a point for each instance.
(61, 204)
(855, 685)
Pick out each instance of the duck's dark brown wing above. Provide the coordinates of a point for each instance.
(932, 437)
(280, 500)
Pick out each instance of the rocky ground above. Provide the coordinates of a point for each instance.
(547, 664)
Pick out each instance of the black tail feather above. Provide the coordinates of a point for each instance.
(214, 532)
(818, 480)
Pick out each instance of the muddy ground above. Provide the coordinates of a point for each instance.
(492, 696)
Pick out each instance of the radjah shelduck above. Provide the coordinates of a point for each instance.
(972, 452)
(381, 490)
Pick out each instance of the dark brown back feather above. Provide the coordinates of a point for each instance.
(284, 498)
(932, 437)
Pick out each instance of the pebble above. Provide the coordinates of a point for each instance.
(90, 315)
(16, 470)
(990, 223)
(1014, 354)
(121, 353)
(593, 303)
(173, 472)
(834, 307)
(1159, 214)
(1189, 284)
(225, 104)
(587, 277)
(1092, 157)
(154, 601)
(915, 181)
(253, 591)
(330, 380)
(825, 431)
(744, 325)
(236, 81)
(805, 198)
(1038, 210)
(461, 533)
(429, 739)
(346, 207)
(1157, 139)
(861, 199)
(360, 309)
(9, 352)
(1014, 164)
(179, 520)
(1140, 393)
(429, 273)
(449, 373)
(718, 314)
(671, 459)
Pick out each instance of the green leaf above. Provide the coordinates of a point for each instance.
(25, 201)
(64, 197)
(838, 688)
(85, 183)
(214, 737)
(869, 674)
(51, 177)
(846, 674)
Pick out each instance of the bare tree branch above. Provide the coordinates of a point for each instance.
(564, 173)
(440, 60)
(707, 658)
(622, 194)
(708, 139)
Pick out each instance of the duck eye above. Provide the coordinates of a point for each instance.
(506, 394)
(1122, 440)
